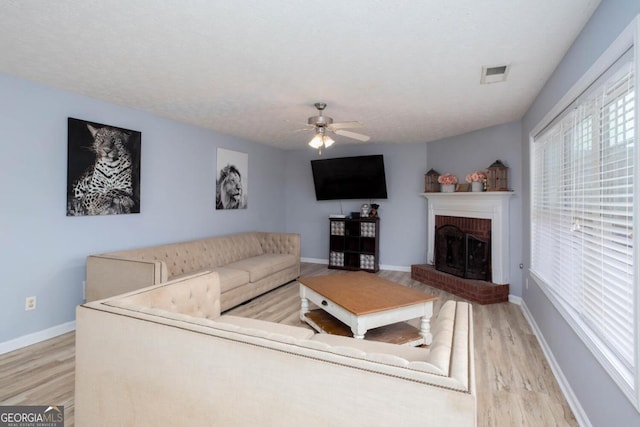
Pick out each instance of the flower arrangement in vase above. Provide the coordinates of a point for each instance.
(447, 183)
(477, 180)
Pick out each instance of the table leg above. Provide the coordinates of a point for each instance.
(425, 329)
(358, 331)
(304, 307)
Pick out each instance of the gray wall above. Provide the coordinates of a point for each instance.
(602, 401)
(477, 150)
(402, 216)
(43, 251)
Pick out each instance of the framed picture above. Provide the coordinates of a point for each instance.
(103, 169)
(232, 179)
(461, 188)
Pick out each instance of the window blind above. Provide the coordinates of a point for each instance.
(582, 212)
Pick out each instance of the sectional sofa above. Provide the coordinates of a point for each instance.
(248, 265)
(164, 355)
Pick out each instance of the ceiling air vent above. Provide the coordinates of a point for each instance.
(494, 74)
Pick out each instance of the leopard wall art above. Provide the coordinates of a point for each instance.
(108, 186)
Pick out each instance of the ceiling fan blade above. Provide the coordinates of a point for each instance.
(348, 134)
(299, 129)
(307, 129)
(344, 125)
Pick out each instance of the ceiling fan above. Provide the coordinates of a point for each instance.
(321, 123)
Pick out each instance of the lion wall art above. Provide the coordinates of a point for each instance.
(231, 180)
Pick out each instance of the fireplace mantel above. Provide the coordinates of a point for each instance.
(493, 205)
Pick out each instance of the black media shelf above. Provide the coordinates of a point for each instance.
(354, 244)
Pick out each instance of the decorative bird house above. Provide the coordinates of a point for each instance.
(497, 177)
(431, 182)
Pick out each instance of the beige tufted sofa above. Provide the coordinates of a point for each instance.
(164, 355)
(248, 264)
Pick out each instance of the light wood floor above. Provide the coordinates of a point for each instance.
(515, 385)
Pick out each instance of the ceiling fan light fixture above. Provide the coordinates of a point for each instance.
(316, 141)
(328, 141)
(320, 140)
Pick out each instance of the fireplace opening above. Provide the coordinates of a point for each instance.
(462, 254)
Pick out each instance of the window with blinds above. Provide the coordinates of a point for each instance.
(582, 213)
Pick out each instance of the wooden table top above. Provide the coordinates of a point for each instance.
(363, 293)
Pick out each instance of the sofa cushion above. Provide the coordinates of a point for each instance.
(262, 266)
(231, 278)
(224, 250)
(270, 327)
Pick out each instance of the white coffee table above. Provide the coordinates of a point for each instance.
(365, 301)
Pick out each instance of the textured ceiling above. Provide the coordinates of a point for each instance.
(409, 70)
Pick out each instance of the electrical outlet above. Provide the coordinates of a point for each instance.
(30, 303)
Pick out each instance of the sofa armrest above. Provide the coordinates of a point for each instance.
(108, 276)
(280, 243)
(452, 348)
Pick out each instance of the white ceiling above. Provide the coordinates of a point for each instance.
(409, 70)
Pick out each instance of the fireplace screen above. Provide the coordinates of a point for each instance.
(462, 254)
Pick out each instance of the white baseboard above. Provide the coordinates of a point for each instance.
(395, 268)
(515, 300)
(315, 260)
(36, 337)
(572, 400)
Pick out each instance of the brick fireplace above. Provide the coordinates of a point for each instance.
(485, 217)
(462, 247)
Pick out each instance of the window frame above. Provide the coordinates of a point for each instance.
(628, 39)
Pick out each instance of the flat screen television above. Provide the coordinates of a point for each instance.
(360, 177)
